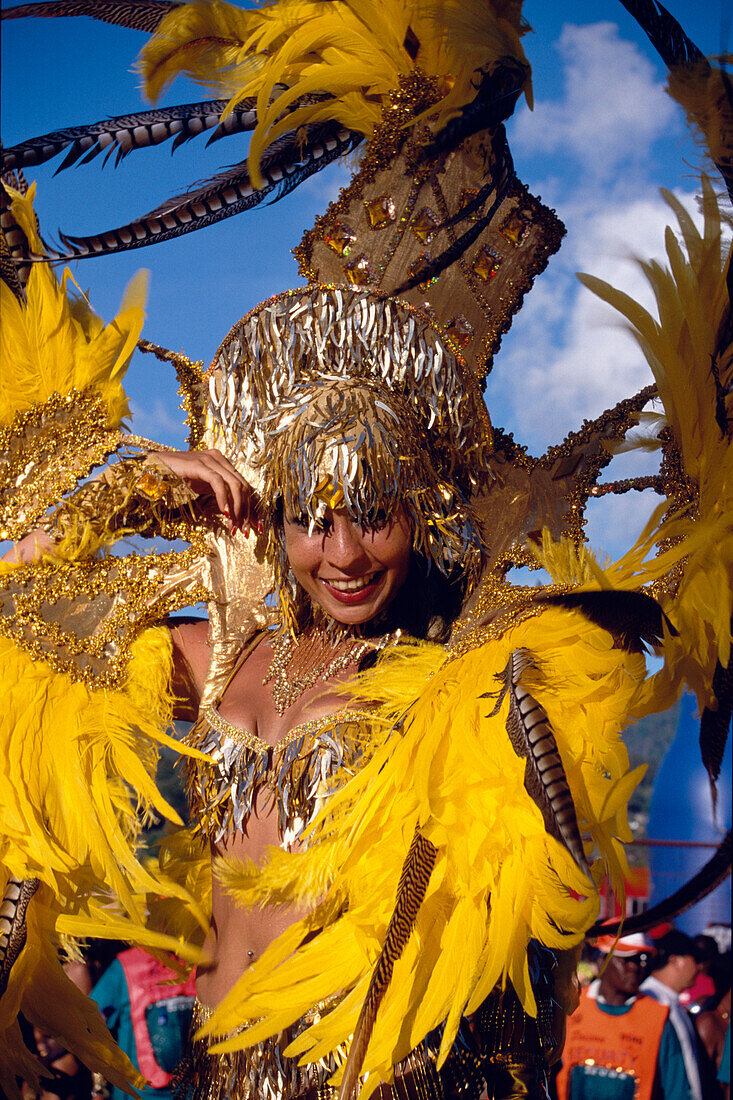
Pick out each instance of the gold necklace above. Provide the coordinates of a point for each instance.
(299, 663)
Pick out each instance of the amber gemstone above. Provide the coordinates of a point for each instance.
(515, 227)
(460, 331)
(486, 263)
(465, 199)
(425, 225)
(359, 271)
(420, 268)
(380, 211)
(340, 238)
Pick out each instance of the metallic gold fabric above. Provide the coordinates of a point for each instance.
(263, 1072)
(43, 453)
(81, 617)
(409, 205)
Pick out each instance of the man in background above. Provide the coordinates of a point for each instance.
(620, 1043)
(674, 968)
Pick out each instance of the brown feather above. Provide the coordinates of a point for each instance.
(416, 872)
(532, 739)
(633, 619)
(715, 725)
(137, 15)
(18, 893)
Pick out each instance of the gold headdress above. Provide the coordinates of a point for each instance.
(329, 394)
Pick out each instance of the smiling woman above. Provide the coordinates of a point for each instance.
(352, 571)
(407, 838)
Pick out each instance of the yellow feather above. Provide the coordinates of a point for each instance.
(351, 50)
(54, 344)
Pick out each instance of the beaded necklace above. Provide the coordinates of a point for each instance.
(299, 663)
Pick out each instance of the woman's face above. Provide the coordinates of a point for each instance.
(352, 572)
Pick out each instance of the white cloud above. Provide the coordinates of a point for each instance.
(157, 423)
(571, 356)
(614, 104)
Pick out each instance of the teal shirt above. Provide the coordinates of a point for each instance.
(169, 1026)
(600, 1083)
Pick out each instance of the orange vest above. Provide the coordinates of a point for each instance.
(628, 1042)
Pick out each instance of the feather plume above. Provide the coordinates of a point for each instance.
(126, 133)
(438, 763)
(694, 542)
(137, 15)
(715, 723)
(352, 52)
(12, 923)
(413, 883)
(54, 344)
(285, 165)
(532, 739)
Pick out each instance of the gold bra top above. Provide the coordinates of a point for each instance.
(296, 774)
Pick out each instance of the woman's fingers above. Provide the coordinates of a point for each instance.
(31, 548)
(210, 473)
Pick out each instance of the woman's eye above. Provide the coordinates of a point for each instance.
(307, 523)
(378, 519)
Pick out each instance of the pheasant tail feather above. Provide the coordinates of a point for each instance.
(532, 739)
(413, 884)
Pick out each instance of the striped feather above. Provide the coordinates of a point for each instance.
(413, 884)
(286, 164)
(532, 738)
(664, 32)
(17, 251)
(137, 15)
(715, 725)
(126, 133)
(18, 894)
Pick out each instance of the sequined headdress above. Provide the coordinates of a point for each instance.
(332, 395)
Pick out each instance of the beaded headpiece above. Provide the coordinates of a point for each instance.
(336, 396)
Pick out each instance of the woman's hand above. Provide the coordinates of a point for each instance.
(211, 475)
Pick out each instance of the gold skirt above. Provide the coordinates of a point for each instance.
(262, 1072)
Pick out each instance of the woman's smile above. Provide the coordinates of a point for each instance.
(353, 590)
(351, 571)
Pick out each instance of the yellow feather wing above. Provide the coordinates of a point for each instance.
(499, 878)
(350, 50)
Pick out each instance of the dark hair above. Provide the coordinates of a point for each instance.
(672, 943)
(429, 602)
(706, 948)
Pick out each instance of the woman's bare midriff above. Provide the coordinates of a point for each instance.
(238, 935)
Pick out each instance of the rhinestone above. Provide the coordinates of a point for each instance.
(420, 267)
(515, 227)
(340, 238)
(465, 199)
(486, 263)
(380, 211)
(425, 225)
(359, 271)
(460, 331)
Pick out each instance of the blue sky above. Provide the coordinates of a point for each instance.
(601, 141)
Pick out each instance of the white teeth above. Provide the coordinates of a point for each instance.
(350, 586)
